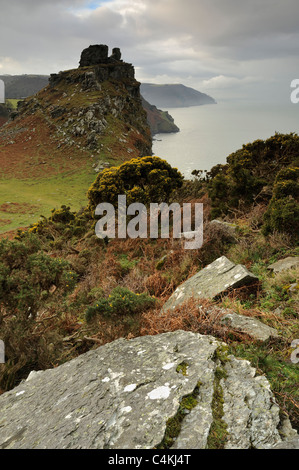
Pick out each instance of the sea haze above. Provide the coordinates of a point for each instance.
(208, 134)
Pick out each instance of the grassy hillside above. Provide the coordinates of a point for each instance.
(65, 291)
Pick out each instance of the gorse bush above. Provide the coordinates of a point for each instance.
(262, 172)
(250, 172)
(27, 274)
(62, 222)
(144, 180)
(121, 301)
(31, 283)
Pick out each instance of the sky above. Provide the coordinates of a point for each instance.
(230, 49)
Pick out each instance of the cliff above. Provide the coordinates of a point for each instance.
(160, 122)
(23, 86)
(174, 95)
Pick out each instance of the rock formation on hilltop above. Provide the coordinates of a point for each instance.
(98, 54)
(94, 110)
(23, 86)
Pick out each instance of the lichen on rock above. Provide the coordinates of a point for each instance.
(129, 393)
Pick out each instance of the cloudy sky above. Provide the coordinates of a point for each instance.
(230, 49)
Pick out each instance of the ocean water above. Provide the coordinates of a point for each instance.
(208, 134)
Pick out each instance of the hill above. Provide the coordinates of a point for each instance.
(64, 292)
(22, 86)
(174, 96)
(58, 139)
(189, 326)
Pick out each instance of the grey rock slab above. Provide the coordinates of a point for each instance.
(213, 280)
(117, 396)
(122, 395)
(292, 443)
(222, 223)
(283, 264)
(251, 326)
(248, 399)
(200, 418)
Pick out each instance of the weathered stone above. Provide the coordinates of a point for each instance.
(285, 429)
(213, 280)
(123, 394)
(292, 443)
(222, 223)
(247, 400)
(93, 55)
(283, 264)
(251, 326)
(116, 54)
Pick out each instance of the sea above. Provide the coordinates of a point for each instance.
(209, 133)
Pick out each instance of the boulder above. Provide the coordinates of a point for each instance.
(251, 326)
(283, 264)
(210, 282)
(222, 223)
(128, 394)
(94, 55)
(292, 443)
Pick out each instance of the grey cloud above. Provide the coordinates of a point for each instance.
(189, 41)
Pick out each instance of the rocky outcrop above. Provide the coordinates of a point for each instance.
(251, 326)
(283, 264)
(93, 55)
(160, 122)
(98, 54)
(212, 281)
(176, 390)
(95, 110)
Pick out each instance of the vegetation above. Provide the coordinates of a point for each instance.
(283, 211)
(64, 291)
(250, 173)
(145, 180)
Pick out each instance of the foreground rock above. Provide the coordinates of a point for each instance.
(210, 282)
(123, 394)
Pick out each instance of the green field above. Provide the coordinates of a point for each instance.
(22, 202)
(13, 102)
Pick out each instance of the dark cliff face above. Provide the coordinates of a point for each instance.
(160, 122)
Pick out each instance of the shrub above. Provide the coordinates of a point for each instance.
(27, 274)
(63, 215)
(144, 180)
(121, 301)
(250, 173)
(282, 214)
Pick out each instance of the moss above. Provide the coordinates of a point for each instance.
(218, 430)
(222, 354)
(174, 424)
(182, 368)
